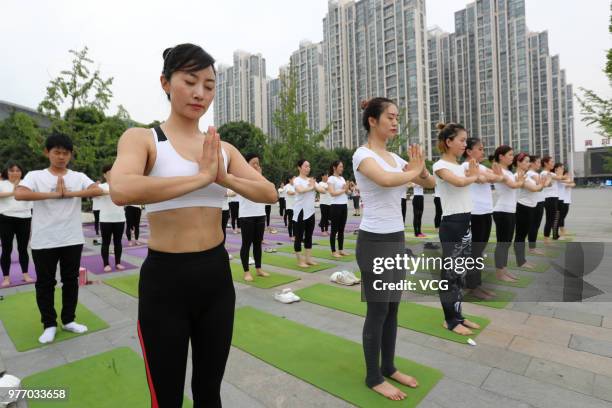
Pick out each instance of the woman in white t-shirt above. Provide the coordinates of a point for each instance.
(112, 223)
(304, 213)
(290, 199)
(504, 211)
(535, 164)
(551, 198)
(282, 202)
(15, 221)
(418, 205)
(338, 188)
(252, 217)
(566, 198)
(526, 208)
(324, 205)
(482, 212)
(95, 208)
(382, 177)
(453, 183)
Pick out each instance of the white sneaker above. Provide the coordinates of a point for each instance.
(342, 278)
(283, 297)
(293, 296)
(353, 277)
(251, 261)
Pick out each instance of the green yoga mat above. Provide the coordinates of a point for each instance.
(126, 284)
(112, 379)
(275, 279)
(421, 318)
(129, 284)
(289, 262)
(523, 281)
(330, 363)
(548, 252)
(324, 243)
(319, 253)
(540, 267)
(21, 319)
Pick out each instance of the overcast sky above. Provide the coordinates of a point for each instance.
(126, 39)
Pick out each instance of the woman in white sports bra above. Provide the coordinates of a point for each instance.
(186, 294)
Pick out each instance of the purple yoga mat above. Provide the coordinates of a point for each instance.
(139, 251)
(16, 275)
(94, 264)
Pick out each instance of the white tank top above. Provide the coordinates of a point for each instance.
(169, 163)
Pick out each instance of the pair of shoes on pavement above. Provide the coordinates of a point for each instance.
(286, 296)
(347, 278)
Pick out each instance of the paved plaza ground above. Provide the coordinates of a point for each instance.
(532, 354)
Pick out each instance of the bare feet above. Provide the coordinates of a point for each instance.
(27, 278)
(311, 262)
(389, 391)
(460, 329)
(336, 255)
(248, 277)
(528, 265)
(511, 275)
(405, 379)
(292, 238)
(130, 243)
(343, 253)
(6, 282)
(487, 292)
(119, 267)
(536, 252)
(471, 325)
(107, 268)
(480, 294)
(503, 276)
(262, 273)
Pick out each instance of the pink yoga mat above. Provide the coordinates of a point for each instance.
(94, 264)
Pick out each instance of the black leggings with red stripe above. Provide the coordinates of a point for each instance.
(185, 297)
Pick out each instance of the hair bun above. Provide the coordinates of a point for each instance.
(364, 104)
(440, 126)
(166, 52)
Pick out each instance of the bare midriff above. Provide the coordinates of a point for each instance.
(192, 229)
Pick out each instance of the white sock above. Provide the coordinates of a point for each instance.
(48, 335)
(75, 327)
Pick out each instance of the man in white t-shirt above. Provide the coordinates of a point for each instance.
(57, 232)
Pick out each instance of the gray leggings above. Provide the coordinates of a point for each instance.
(380, 327)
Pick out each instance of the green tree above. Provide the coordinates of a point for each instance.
(247, 138)
(75, 86)
(21, 141)
(597, 111)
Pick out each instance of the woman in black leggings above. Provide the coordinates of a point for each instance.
(567, 200)
(186, 295)
(324, 205)
(132, 223)
(290, 199)
(438, 209)
(551, 203)
(15, 221)
(535, 164)
(112, 222)
(481, 216)
(304, 214)
(234, 206)
(453, 182)
(418, 205)
(383, 177)
(338, 188)
(504, 211)
(526, 208)
(253, 223)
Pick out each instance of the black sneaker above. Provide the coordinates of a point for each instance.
(96, 242)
